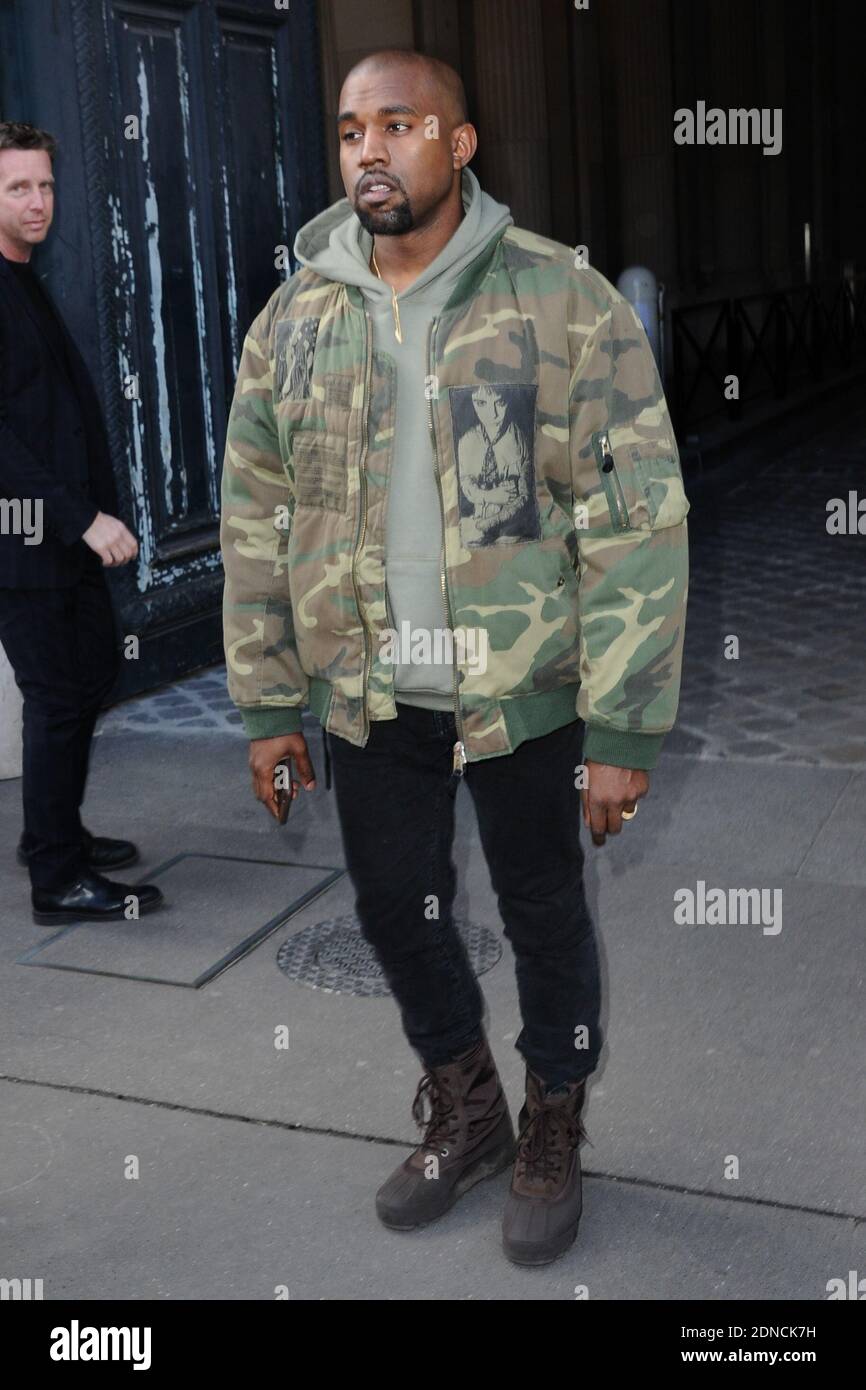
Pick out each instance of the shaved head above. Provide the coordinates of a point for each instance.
(438, 86)
(404, 140)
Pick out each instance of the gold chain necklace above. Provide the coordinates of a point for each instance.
(394, 305)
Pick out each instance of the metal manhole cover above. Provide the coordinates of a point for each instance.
(333, 956)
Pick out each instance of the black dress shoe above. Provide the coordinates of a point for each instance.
(100, 853)
(104, 854)
(92, 898)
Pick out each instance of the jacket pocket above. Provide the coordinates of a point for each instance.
(621, 518)
(662, 482)
(642, 484)
(320, 470)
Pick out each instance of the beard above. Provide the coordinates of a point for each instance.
(388, 222)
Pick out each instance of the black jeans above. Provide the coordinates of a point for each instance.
(395, 800)
(62, 646)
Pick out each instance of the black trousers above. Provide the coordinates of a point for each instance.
(395, 800)
(62, 645)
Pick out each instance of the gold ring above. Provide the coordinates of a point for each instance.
(629, 815)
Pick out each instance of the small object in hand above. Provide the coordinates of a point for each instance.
(630, 815)
(284, 787)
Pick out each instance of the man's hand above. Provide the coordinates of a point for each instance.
(111, 540)
(265, 753)
(611, 791)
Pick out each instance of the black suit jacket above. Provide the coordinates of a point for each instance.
(53, 447)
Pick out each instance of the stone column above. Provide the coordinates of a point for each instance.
(512, 108)
(10, 721)
(636, 56)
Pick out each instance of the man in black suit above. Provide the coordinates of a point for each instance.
(58, 531)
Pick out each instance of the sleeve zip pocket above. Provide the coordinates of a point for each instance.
(610, 481)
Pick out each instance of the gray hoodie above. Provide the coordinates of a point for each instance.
(335, 245)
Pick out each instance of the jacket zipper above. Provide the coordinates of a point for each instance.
(362, 525)
(459, 758)
(611, 482)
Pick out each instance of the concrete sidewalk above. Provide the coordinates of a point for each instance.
(257, 1166)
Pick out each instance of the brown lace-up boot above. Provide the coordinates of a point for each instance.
(543, 1207)
(468, 1137)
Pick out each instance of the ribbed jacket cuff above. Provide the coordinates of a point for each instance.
(271, 721)
(620, 748)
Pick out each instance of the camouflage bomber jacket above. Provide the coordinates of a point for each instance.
(582, 598)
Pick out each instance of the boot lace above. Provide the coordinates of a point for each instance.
(440, 1125)
(546, 1141)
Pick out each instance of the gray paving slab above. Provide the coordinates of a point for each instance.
(759, 816)
(748, 1043)
(225, 1209)
(838, 852)
(725, 808)
(168, 797)
(215, 908)
(755, 817)
(206, 778)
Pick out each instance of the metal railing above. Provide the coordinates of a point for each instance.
(771, 342)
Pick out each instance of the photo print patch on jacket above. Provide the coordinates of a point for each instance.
(494, 438)
(294, 349)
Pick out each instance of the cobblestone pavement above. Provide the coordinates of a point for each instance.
(763, 569)
(198, 704)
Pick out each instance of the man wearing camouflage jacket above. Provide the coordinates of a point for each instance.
(444, 425)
